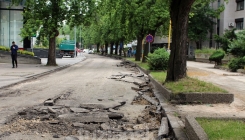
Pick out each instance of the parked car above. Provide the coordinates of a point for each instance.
(91, 52)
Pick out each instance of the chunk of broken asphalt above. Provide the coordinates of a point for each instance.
(85, 117)
(79, 110)
(49, 103)
(22, 113)
(114, 115)
(71, 138)
(56, 136)
(164, 128)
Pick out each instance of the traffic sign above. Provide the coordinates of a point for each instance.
(149, 38)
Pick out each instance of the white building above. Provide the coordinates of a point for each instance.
(231, 17)
(11, 22)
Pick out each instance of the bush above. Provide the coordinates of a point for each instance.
(19, 51)
(217, 56)
(204, 51)
(4, 48)
(25, 52)
(158, 60)
(237, 46)
(236, 63)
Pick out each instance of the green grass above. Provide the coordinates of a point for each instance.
(206, 51)
(223, 129)
(160, 76)
(185, 85)
(192, 85)
(142, 65)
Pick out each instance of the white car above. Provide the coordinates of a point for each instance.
(91, 52)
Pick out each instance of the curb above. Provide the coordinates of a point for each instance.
(195, 97)
(176, 125)
(196, 132)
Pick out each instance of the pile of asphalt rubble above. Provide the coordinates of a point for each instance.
(95, 119)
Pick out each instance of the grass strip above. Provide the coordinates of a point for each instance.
(192, 85)
(223, 129)
(139, 63)
(185, 85)
(160, 76)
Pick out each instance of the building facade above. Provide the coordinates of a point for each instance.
(11, 22)
(232, 17)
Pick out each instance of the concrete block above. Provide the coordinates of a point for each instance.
(164, 129)
(194, 130)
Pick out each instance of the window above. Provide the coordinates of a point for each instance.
(240, 5)
(239, 23)
(218, 3)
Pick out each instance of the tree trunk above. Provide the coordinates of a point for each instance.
(51, 52)
(179, 12)
(98, 47)
(111, 50)
(139, 48)
(146, 51)
(197, 45)
(106, 48)
(211, 39)
(200, 44)
(121, 48)
(116, 48)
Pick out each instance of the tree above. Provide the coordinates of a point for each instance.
(179, 13)
(201, 21)
(48, 16)
(146, 17)
(225, 40)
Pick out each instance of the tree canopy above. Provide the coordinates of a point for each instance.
(48, 16)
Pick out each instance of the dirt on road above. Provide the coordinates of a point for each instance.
(96, 98)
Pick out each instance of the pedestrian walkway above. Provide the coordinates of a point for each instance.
(9, 75)
(231, 81)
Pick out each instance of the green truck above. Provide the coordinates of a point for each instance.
(67, 48)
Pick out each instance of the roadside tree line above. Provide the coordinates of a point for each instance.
(112, 22)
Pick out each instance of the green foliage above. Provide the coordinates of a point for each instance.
(160, 76)
(158, 60)
(188, 85)
(123, 21)
(220, 129)
(236, 63)
(41, 47)
(19, 51)
(4, 48)
(217, 56)
(226, 39)
(205, 51)
(201, 20)
(237, 46)
(25, 52)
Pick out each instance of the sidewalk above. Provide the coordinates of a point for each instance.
(9, 75)
(231, 81)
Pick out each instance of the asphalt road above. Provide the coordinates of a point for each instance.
(86, 82)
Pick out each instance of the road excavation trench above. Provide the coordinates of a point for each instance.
(110, 100)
